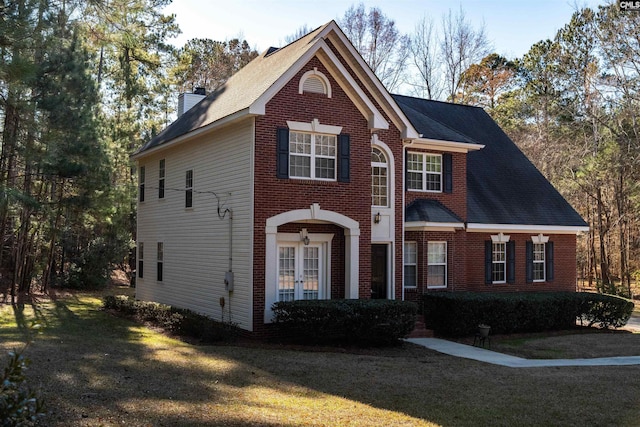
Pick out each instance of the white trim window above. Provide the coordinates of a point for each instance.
(539, 262)
(379, 179)
(424, 172)
(499, 262)
(436, 264)
(410, 264)
(312, 156)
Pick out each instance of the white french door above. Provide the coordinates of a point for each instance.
(301, 271)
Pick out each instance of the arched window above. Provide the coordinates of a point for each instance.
(379, 179)
(314, 82)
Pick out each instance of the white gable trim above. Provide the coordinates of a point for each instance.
(386, 102)
(355, 93)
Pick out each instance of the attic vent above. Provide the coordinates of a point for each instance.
(315, 82)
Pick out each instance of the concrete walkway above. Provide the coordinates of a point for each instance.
(488, 356)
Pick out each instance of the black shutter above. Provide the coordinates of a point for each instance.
(447, 168)
(529, 249)
(344, 158)
(488, 262)
(549, 260)
(282, 151)
(511, 262)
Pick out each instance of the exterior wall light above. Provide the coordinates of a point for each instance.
(376, 218)
(304, 236)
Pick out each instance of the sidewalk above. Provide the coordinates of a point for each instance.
(488, 356)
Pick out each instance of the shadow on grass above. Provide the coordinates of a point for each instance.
(96, 369)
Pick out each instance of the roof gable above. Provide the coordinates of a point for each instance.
(247, 92)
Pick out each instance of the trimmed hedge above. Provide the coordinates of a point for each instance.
(346, 322)
(179, 321)
(458, 314)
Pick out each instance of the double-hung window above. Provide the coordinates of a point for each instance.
(437, 265)
(188, 189)
(140, 272)
(410, 264)
(161, 174)
(160, 261)
(539, 262)
(312, 155)
(424, 172)
(141, 178)
(499, 262)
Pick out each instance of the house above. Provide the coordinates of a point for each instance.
(303, 178)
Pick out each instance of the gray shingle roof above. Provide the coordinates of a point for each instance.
(239, 92)
(503, 186)
(427, 210)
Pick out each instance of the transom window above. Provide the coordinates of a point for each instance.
(410, 264)
(379, 179)
(499, 263)
(437, 265)
(312, 155)
(424, 172)
(539, 262)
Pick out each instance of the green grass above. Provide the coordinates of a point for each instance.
(95, 369)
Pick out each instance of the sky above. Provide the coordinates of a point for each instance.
(512, 26)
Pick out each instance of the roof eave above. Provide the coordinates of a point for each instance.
(225, 121)
(526, 228)
(433, 226)
(436, 144)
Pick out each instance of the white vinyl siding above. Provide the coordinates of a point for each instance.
(196, 241)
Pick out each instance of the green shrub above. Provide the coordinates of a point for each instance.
(359, 322)
(18, 404)
(179, 321)
(458, 314)
(605, 311)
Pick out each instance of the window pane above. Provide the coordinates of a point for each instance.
(410, 276)
(299, 143)
(300, 166)
(286, 273)
(499, 269)
(325, 145)
(436, 276)
(433, 182)
(414, 181)
(433, 163)
(379, 186)
(311, 273)
(437, 252)
(325, 168)
(410, 252)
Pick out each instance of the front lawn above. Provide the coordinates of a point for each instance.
(96, 369)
